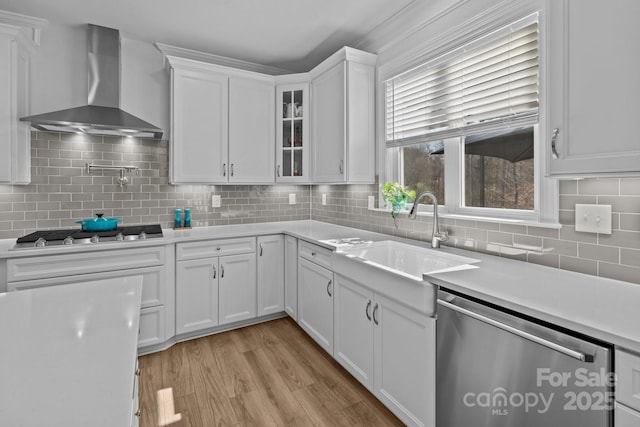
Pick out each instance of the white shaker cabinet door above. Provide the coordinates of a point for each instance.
(315, 302)
(251, 130)
(270, 274)
(353, 321)
(199, 127)
(328, 103)
(196, 294)
(15, 136)
(237, 288)
(593, 87)
(626, 417)
(405, 349)
(291, 276)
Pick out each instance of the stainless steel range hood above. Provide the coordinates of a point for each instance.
(103, 115)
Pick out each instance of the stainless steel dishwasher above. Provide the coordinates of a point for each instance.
(498, 369)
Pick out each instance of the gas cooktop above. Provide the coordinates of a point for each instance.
(74, 236)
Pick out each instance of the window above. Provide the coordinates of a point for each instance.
(423, 168)
(499, 169)
(464, 125)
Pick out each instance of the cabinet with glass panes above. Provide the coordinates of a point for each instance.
(292, 137)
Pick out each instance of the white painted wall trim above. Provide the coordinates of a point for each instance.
(168, 50)
(30, 27)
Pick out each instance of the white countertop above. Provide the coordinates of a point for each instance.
(603, 308)
(69, 354)
(308, 230)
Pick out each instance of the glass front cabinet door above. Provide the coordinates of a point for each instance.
(292, 137)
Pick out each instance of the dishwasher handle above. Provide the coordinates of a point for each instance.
(588, 358)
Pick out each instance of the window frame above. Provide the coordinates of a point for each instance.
(546, 210)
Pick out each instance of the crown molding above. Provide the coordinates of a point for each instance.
(411, 19)
(179, 52)
(30, 27)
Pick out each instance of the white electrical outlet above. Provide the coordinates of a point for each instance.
(593, 218)
(216, 201)
(292, 198)
(371, 203)
(324, 199)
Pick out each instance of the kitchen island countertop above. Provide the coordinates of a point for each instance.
(69, 354)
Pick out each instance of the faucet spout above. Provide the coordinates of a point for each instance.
(437, 236)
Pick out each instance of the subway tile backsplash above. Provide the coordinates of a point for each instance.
(61, 192)
(615, 256)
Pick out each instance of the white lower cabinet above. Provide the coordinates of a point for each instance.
(215, 283)
(404, 359)
(389, 348)
(354, 331)
(291, 276)
(625, 417)
(135, 398)
(152, 326)
(315, 302)
(270, 274)
(627, 411)
(237, 289)
(196, 294)
(63, 269)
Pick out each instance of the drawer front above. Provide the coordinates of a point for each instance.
(315, 253)
(213, 248)
(153, 282)
(628, 376)
(152, 326)
(47, 266)
(626, 417)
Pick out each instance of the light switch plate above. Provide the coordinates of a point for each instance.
(216, 201)
(593, 218)
(292, 198)
(324, 199)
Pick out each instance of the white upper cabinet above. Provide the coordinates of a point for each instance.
(593, 84)
(199, 125)
(18, 34)
(292, 132)
(342, 118)
(251, 130)
(222, 128)
(245, 127)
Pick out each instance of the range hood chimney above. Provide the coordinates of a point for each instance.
(103, 115)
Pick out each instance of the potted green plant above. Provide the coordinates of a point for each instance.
(396, 196)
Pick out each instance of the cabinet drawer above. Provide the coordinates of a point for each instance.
(152, 326)
(628, 377)
(47, 266)
(315, 253)
(153, 282)
(626, 417)
(213, 248)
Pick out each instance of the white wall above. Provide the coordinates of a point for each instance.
(59, 75)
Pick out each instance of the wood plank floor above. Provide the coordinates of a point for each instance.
(270, 374)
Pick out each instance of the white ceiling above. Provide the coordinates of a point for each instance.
(290, 34)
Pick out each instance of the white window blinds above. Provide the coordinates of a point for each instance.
(488, 81)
